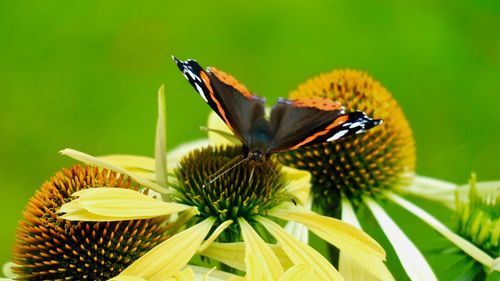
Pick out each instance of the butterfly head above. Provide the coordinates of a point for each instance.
(257, 155)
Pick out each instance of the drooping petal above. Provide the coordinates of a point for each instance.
(301, 253)
(298, 230)
(359, 245)
(496, 265)
(215, 234)
(89, 159)
(466, 246)
(7, 270)
(185, 275)
(233, 254)
(411, 258)
(133, 163)
(299, 272)
(111, 204)
(171, 256)
(212, 274)
(161, 140)
(483, 187)
(146, 166)
(299, 183)
(260, 262)
(444, 192)
(348, 267)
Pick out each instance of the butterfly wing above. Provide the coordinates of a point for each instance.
(231, 100)
(307, 122)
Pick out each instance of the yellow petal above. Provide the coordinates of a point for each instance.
(214, 122)
(412, 260)
(334, 231)
(299, 183)
(7, 270)
(466, 246)
(146, 166)
(261, 263)
(432, 189)
(299, 272)
(172, 255)
(161, 140)
(89, 159)
(348, 267)
(233, 254)
(132, 163)
(298, 230)
(301, 253)
(110, 204)
(205, 277)
(354, 242)
(212, 274)
(185, 275)
(495, 266)
(214, 235)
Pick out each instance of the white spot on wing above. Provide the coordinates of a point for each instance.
(193, 76)
(200, 91)
(338, 135)
(355, 124)
(360, 131)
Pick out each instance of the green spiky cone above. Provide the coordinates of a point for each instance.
(477, 219)
(50, 248)
(361, 164)
(212, 180)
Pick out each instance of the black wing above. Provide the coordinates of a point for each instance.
(234, 104)
(306, 122)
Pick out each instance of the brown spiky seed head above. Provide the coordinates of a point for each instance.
(361, 164)
(50, 248)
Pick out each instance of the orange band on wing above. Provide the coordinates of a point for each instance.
(319, 103)
(339, 121)
(231, 81)
(220, 110)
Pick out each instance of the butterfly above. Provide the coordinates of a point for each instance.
(292, 123)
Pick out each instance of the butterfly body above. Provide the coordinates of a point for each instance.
(291, 124)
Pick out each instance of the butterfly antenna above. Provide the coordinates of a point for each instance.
(224, 170)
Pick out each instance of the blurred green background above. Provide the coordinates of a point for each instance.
(85, 75)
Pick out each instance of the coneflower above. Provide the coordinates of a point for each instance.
(50, 248)
(369, 168)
